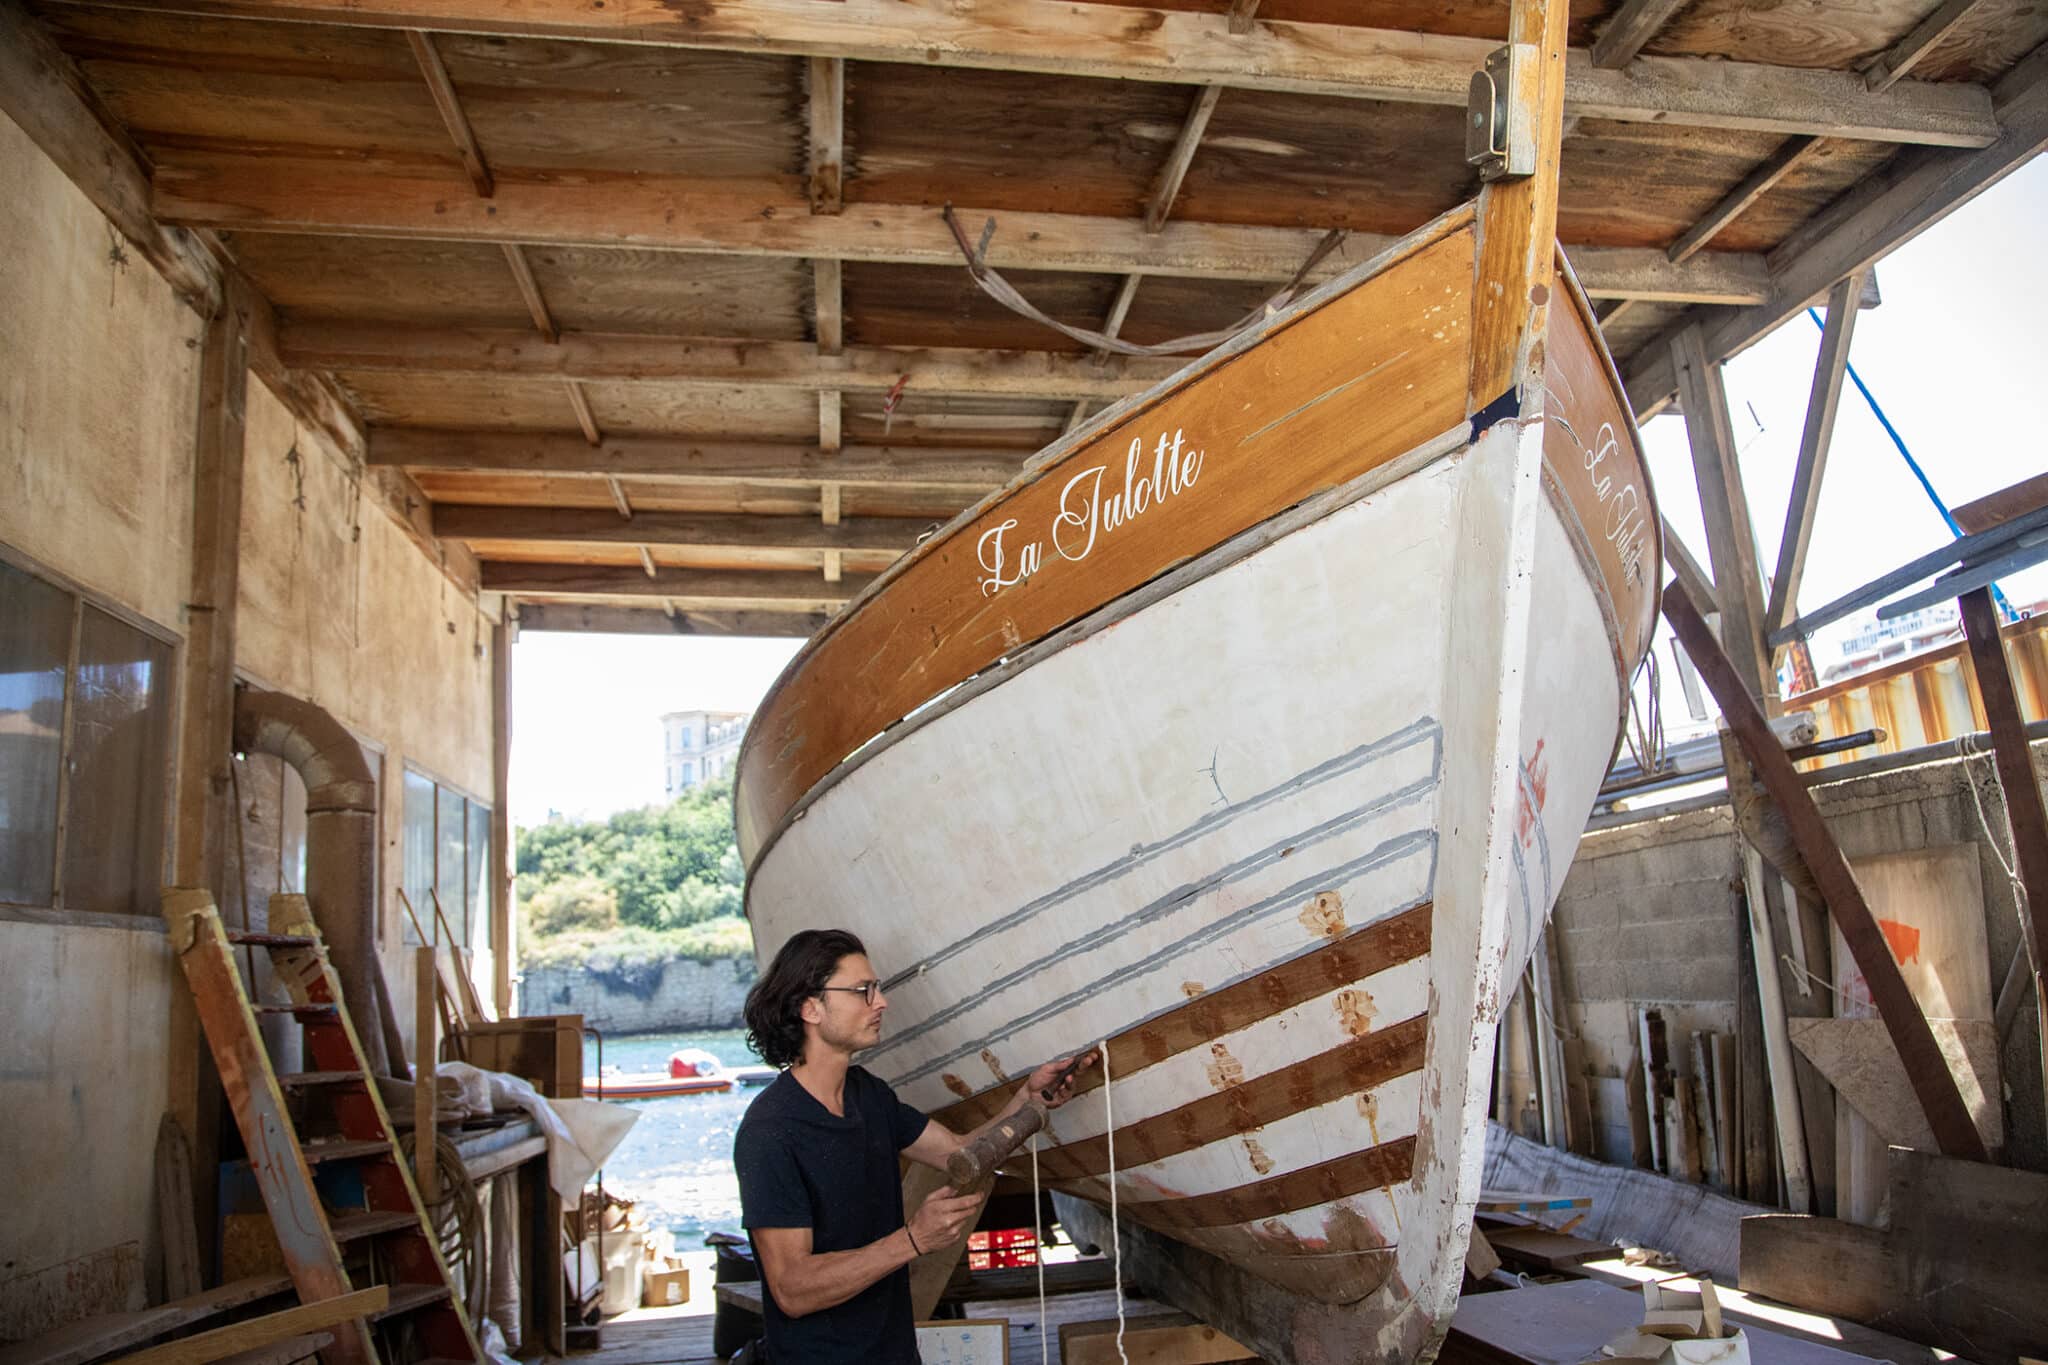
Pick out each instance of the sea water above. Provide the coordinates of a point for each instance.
(676, 1162)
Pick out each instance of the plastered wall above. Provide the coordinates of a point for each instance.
(98, 400)
(98, 382)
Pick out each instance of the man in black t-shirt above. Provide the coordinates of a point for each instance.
(817, 1162)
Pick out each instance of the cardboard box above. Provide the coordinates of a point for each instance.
(665, 1287)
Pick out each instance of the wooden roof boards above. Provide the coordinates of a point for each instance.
(643, 273)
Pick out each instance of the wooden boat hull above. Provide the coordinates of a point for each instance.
(1280, 824)
(652, 1086)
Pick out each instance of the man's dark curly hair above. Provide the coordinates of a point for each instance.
(775, 1025)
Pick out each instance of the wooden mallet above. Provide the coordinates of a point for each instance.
(967, 1168)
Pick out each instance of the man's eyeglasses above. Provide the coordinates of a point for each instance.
(868, 991)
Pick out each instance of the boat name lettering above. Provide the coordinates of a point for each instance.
(1623, 524)
(1086, 514)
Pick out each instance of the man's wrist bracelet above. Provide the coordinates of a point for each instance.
(912, 1240)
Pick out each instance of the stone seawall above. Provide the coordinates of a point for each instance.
(642, 997)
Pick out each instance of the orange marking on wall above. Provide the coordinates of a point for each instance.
(958, 1086)
(1191, 989)
(1261, 1163)
(1903, 939)
(1355, 1011)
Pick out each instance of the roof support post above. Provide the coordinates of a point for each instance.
(1514, 271)
(1926, 1069)
(1814, 438)
(1731, 545)
(2021, 784)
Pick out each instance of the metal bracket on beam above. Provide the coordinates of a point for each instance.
(1500, 131)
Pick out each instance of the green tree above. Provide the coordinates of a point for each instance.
(573, 904)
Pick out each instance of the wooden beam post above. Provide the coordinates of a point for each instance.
(1814, 438)
(2022, 786)
(200, 812)
(450, 109)
(501, 815)
(1926, 1068)
(1514, 272)
(425, 1088)
(1731, 545)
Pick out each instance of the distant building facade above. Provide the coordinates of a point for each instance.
(699, 747)
(1876, 643)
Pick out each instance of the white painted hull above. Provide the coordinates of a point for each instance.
(1402, 707)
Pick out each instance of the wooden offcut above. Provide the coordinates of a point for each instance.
(223, 1342)
(1156, 1339)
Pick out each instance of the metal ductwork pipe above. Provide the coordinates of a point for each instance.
(341, 848)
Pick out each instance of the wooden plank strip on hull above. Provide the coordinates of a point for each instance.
(1353, 1068)
(1353, 1173)
(1374, 948)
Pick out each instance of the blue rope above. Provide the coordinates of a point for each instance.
(1877, 411)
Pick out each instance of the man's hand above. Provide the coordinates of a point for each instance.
(1042, 1079)
(943, 1218)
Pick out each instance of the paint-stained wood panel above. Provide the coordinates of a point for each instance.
(928, 506)
(476, 404)
(1407, 326)
(1842, 34)
(952, 420)
(916, 305)
(1466, 18)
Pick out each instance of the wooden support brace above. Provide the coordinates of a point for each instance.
(1926, 1067)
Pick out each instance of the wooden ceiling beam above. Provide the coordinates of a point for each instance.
(775, 589)
(1887, 209)
(969, 470)
(742, 531)
(1166, 187)
(450, 108)
(269, 194)
(643, 359)
(1737, 201)
(606, 619)
(1905, 54)
(1631, 28)
(1815, 436)
(1187, 48)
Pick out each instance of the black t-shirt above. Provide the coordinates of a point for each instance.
(800, 1166)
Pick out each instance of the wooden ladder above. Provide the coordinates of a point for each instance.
(388, 1238)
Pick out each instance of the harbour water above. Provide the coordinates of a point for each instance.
(676, 1163)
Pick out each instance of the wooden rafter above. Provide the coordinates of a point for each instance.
(1183, 48)
(610, 619)
(1814, 438)
(258, 194)
(742, 531)
(783, 591)
(970, 470)
(1243, 13)
(1889, 209)
(1759, 182)
(1166, 188)
(641, 358)
(529, 290)
(828, 132)
(1905, 54)
(450, 109)
(1630, 29)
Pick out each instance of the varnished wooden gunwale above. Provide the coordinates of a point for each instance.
(1372, 948)
(1352, 1068)
(1399, 322)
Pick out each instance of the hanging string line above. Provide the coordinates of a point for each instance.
(1116, 1241)
(1044, 1346)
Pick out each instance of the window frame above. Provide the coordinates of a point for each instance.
(464, 916)
(83, 596)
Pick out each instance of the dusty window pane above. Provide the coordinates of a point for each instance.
(482, 929)
(35, 641)
(120, 744)
(451, 830)
(419, 852)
